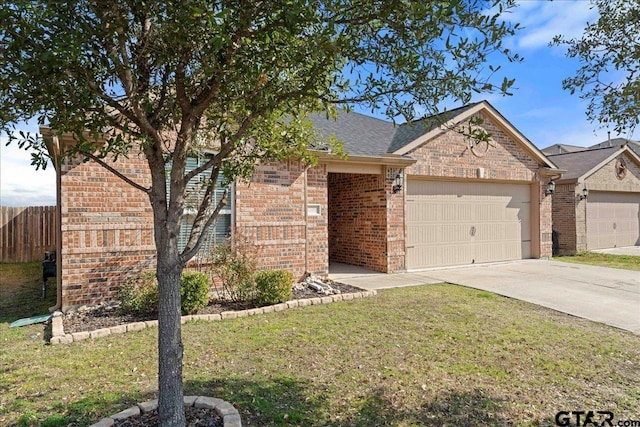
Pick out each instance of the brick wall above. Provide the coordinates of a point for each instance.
(545, 238)
(270, 214)
(366, 221)
(605, 179)
(564, 217)
(581, 221)
(106, 230)
(449, 155)
(107, 225)
(396, 231)
(357, 220)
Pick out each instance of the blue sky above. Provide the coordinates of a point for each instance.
(539, 107)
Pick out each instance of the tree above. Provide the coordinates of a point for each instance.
(609, 54)
(235, 78)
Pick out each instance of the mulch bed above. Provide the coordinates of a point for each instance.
(108, 315)
(196, 417)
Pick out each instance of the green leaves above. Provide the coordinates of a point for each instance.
(238, 79)
(609, 57)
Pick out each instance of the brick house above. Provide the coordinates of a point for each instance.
(596, 204)
(407, 197)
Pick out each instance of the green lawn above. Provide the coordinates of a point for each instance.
(422, 356)
(21, 290)
(627, 262)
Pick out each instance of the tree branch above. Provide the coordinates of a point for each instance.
(115, 171)
(225, 149)
(194, 243)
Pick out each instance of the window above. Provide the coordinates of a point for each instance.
(221, 228)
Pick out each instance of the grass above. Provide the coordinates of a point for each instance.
(21, 291)
(626, 262)
(422, 356)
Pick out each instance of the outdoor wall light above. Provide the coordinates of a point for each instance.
(551, 187)
(585, 194)
(399, 182)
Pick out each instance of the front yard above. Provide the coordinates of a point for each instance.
(627, 262)
(422, 356)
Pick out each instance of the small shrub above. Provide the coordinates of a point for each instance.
(194, 291)
(273, 286)
(139, 295)
(234, 266)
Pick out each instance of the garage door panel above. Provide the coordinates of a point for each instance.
(613, 219)
(497, 251)
(456, 223)
(438, 255)
(524, 215)
(437, 234)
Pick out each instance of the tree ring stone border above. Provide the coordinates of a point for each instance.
(228, 413)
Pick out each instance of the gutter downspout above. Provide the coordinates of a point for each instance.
(306, 223)
(56, 164)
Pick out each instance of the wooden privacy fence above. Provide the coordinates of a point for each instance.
(27, 233)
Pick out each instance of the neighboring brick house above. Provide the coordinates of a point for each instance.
(407, 197)
(596, 204)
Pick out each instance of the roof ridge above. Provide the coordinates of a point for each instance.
(586, 150)
(453, 110)
(351, 111)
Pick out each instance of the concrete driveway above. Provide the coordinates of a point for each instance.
(607, 295)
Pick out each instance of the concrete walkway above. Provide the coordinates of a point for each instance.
(607, 295)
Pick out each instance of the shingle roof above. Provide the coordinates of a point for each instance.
(362, 135)
(580, 162)
(368, 136)
(613, 142)
(561, 149)
(409, 132)
(618, 142)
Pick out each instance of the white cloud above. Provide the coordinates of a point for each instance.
(542, 20)
(20, 183)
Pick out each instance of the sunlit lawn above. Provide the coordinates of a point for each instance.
(627, 262)
(423, 356)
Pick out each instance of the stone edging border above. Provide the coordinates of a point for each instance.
(229, 414)
(58, 336)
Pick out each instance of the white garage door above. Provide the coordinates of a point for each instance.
(457, 223)
(613, 219)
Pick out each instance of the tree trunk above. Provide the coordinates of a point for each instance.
(170, 347)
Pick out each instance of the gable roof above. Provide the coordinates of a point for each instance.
(367, 136)
(581, 164)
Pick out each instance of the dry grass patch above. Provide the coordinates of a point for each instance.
(422, 356)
